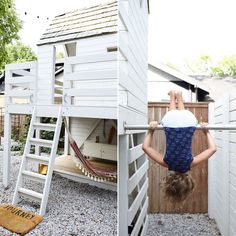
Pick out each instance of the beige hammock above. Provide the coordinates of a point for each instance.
(87, 167)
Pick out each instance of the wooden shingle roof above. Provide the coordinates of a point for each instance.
(87, 22)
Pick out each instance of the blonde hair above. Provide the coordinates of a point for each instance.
(178, 186)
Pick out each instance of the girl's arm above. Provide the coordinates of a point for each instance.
(205, 155)
(151, 152)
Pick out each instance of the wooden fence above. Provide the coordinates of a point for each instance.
(197, 202)
(17, 121)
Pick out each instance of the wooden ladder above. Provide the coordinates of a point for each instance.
(27, 157)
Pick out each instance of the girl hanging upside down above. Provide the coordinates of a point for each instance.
(179, 126)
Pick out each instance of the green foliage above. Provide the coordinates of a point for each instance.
(19, 53)
(9, 27)
(60, 55)
(225, 67)
(43, 134)
(202, 65)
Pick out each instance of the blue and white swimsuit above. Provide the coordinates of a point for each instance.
(179, 127)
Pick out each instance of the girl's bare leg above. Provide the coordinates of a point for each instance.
(172, 94)
(179, 98)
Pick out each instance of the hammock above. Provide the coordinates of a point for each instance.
(87, 167)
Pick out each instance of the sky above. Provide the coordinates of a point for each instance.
(179, 30)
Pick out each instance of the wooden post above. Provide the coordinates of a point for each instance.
(123, 185)
(66, 140)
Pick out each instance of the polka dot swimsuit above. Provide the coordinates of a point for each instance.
(178, 154)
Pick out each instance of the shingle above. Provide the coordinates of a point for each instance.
(87, 22)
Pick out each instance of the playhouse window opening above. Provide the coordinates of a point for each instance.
(112, 49)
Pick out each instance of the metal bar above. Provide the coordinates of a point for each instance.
(160, 127)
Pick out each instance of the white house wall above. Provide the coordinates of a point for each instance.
(158, 88)
(98, 44)
(132, 63)
(222, 167)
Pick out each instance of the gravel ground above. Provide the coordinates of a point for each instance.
(73, 208)
(181, 225)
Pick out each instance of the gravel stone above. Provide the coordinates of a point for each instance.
(74, 209)
(181, 225)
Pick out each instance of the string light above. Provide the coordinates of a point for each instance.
(25, 13)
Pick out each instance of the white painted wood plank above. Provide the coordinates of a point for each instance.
(145, 227)
(232, 105)
(232, 95)
(19, 93)
(232, 116)
(22, 72)
(91, 112)
(20, 80)
(137, 176)
(23, 65)
(130, 84)
(127, 115)
(135, 153)
(136, 103)
(110, 92)
(140, 219)
(98, 40)
(101, 57)
(137, 202)
(123, 188)
(132, 29)
(140, 74)
(92, 75)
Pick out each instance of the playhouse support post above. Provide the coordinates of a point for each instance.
(66, 141)
(123, 184)
(7, 149)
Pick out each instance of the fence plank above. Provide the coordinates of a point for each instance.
(198, 200)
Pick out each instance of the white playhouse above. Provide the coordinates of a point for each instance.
(85, 96)
(104, 81)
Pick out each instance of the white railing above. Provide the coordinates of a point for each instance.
(20, 83)
(133, 179)
(91, 80)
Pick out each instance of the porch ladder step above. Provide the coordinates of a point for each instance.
(34, 176)
(33, 138)
(37, 158)
(41, 142)
(45, 126)
(30, 194)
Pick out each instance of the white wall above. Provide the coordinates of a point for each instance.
(158, 88)
(222, 167)
(133, 62)
(90, 78)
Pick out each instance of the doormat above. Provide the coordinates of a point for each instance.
(18, 220)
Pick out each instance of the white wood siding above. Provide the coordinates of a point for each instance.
(97, 44)
(90, 81)
(222, 167)
(133, 63)
(46, 75)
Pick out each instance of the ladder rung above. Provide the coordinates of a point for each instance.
(47, 127)
(34, 176)
(30, 194)
(41, 159)
(41, 142)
